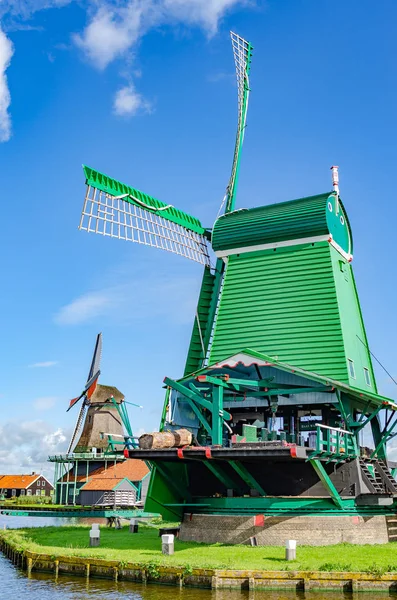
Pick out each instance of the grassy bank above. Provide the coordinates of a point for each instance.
(145, 548)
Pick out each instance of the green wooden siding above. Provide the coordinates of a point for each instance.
(354, 335)
(297, 304)
(292, 220)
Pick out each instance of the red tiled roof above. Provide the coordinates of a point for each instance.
(107, 479)
(102, 483)
(17, 482)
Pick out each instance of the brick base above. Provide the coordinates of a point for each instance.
(274, 531)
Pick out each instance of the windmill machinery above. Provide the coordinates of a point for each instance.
(99, 409)
(278, 380)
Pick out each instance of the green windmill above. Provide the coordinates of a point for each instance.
(278, 387)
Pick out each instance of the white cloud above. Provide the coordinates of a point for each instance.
(35, 440)
(45, 402)
(6, 52)
(116, 303)
(128, 102)
(203, 13)
(116, 29)
(45, 364)
(108, 36)
(85, 308)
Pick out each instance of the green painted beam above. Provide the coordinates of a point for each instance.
(326, 481)
(188, 393)
(247, 476)
(223, 477)
(199, 415)
(116, 188)
(217, 415)
(179, 489)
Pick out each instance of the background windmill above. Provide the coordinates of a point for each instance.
(98, 411)
(278, 328)
(98, 448)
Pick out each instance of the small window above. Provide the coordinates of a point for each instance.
(342, 220)
(367, 377)
(22, 492)
(329, 206)
(38, 482)
(352, 371)
(29, 492)
(38, 492)
(43, 483)
(13, 492)
(89, 418)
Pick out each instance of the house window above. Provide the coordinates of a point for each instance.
(352, 371)
(29, 492)
(38, 482)
(42, 492)
(23, 492)
(367, 377)
(38, 492)
(43, 483)
(13, 492)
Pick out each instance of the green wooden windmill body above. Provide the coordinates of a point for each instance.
(278, 332)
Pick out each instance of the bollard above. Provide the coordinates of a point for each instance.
(167, 544)
(95, 535)
(133, 525)
(290, 550)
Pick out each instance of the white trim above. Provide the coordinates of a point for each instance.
(43, 476)
(310, 240)
(34, 481)
(245, 249)
(346, 255)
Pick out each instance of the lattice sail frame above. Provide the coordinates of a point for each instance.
(242, 51)
(118, 216)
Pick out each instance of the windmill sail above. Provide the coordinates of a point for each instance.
(77, 427)
(116, 210)
(242, 51)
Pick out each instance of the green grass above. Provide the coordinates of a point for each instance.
(145, 547)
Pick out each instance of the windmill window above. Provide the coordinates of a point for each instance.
(352, 371)
(342, 220)
(89, 418)
(367, 377)
(329, 206)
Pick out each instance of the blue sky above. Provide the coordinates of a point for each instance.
(145, 92)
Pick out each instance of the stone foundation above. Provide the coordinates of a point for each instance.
(274, 531)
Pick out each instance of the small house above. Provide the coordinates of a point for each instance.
(13, 486)
(121, 484)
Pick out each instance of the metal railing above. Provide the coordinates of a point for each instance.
(335, 443)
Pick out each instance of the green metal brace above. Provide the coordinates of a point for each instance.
(247, 477)
(178, 489)
(227, 481)
(326, 481)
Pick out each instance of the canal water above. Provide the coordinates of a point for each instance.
(15, 585)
